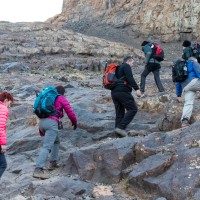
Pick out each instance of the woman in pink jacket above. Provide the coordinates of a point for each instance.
(6, 100)
(49, 129)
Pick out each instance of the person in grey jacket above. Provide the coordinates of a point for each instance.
(152, 65)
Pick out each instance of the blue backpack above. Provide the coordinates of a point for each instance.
(44, 103)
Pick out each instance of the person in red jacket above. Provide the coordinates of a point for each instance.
(6, 100)
(48, 128)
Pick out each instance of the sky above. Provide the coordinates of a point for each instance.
(29, 10)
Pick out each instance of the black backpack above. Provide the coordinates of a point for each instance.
(179, 71)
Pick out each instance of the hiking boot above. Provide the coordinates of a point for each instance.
(41, 173)
(179, 99)
(195, 143)
(185, 123)
(162, 93)
(121, 132)
(53, 165)
(142, 95)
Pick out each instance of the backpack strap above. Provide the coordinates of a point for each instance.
(151, 45)
(121, 78)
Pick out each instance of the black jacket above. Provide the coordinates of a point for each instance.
(124, 73)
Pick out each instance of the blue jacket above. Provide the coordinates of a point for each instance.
(193, 72)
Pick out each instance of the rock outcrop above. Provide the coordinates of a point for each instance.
(44, 44)
(170, 20)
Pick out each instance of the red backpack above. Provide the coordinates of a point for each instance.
(109, 79)
(157, 52)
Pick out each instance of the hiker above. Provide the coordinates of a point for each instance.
(190, 86)
(6, 99)
(187, 53)
(187, 50)
(48, 127)
(196, 50)
(122, 97)
(152, 65)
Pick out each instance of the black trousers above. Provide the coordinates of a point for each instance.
(125, 108)
(155, 69)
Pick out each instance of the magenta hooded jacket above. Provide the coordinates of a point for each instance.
(61, 104)
(3, 119)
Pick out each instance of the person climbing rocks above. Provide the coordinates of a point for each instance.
(49, 129)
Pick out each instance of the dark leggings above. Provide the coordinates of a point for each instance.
(3, 163)
(124, 101)
(155, 69)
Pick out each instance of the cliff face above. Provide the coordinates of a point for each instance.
(168, 19)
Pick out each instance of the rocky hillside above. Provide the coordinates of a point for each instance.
(49, 42)
(157, 161)
(167, 19)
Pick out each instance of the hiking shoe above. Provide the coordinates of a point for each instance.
(41, 173)
(162, 93)
(53, 165)
(121, 132)
(142, 95)
(179, 99)
(185, 123)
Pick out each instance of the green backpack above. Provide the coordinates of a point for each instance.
(44, 103)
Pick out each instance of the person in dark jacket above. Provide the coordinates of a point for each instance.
(152, 65)
(122, 97)
(187, 50)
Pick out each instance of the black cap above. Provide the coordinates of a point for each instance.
(60, 89)
(144, 43)
(126, 58)
(186, 43)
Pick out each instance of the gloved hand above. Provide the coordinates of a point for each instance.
(74, 126)
(42, 134)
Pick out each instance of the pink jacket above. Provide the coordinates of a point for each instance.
(60, 104)
(3, 120)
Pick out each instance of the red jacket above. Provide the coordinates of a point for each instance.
(60, 104)
(3, 120)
